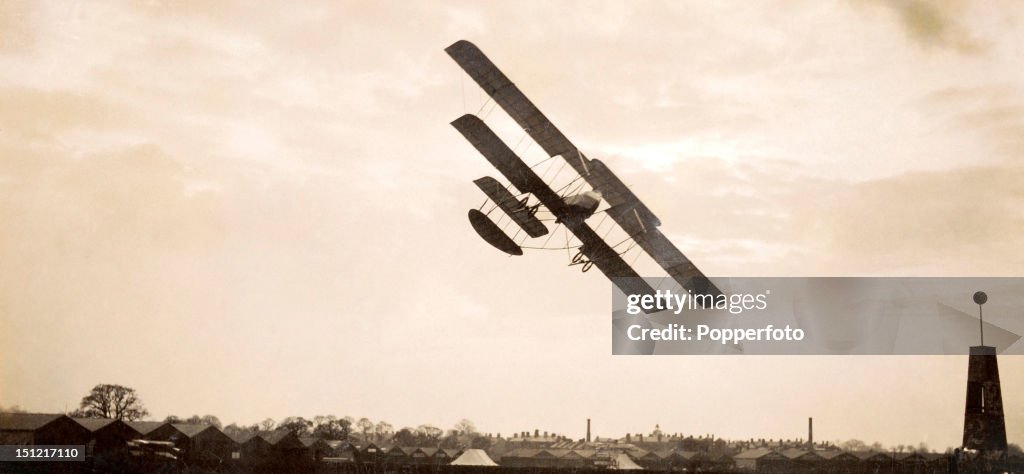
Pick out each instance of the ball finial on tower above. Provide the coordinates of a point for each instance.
(980, 297)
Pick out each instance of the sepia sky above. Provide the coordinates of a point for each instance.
(258, 210)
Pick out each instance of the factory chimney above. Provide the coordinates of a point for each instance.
(810, 433)
(588, 430)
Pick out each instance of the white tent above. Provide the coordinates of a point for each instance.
(473, 457)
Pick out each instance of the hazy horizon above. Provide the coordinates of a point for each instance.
(259, 212)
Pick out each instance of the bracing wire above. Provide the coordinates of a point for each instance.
(488, 101)
(621, 242)
(520, 142)
(635, 258)
(548, 169)
(560, 168)
(600, 222)
(488, 113)
(528, 145)
(567, 254)
(563, 188)
(541, 162)
(571, 247)
(578, 186)
(518, 230)
(552, 234)
(660, 282)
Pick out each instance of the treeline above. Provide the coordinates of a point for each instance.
(331, 427)
(123, 403)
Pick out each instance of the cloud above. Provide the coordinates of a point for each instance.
(936, 23)
(16, 32)
(38, 116)
(758, 216)
(995, 113)
(959, 222)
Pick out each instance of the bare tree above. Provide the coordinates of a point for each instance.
(853, 445)
(405, 437)
(113, 401)
(429, 432)
(268, 424)
(330, 427)
(465, 427)
(211, 420)
(480, 442)
(201, 420)
(297, 425)
(319, 420)
(382, 429)
(365, 425)
(234, 430)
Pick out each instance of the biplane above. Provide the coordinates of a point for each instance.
(569, 209)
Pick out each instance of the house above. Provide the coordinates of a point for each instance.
(440, 456)
(316, 447)
(680, 459)
(575, 459)
(712, 461)
(662, 459)
(341, 451)
(108, 435)
(253, 448)
(552, 458)
(451, 453)
(801, 455)
(838, 461)
(39, 428)
(250, 445)
(286, 443)
(762, 460)
(875, 459)
(373, 452)
(425, 455)
(537, 441)
(428, 455)
(393, 455)
(837, 456)
(282, 448)
(936, 460)
(198, 443)
(520, 457)
(911, 459)
(647, 459)
(145, 427)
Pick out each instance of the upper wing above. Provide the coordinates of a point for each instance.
(626, 209)
(522, 177)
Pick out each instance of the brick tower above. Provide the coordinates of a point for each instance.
(984, 425)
